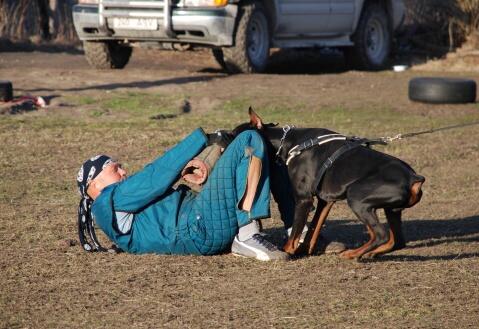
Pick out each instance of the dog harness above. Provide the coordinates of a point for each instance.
(355, 141)
(310, 143)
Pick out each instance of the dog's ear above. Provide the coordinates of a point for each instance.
(255, 120)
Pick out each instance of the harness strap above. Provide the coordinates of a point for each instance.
(317, 141)
(332, 158)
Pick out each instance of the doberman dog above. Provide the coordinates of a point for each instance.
(366, 178)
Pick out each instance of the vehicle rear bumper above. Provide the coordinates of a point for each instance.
(213, 27)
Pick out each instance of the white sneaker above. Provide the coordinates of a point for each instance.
(259, 248)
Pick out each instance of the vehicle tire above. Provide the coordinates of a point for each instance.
(372, 40)
(104, 55)
(218, 55)
(6, 91)
(442, 90)
(250, 52)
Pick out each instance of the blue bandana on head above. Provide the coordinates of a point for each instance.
(90, 169)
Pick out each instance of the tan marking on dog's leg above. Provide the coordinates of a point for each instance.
(289, 247)
(357, 253)
(314, 222)
(316, 225)
(387, 247)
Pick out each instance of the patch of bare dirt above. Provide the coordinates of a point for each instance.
(48, 281)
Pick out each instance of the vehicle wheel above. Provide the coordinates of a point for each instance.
(105, 55)
(442, 90)
(6, 91)
(218, 55)
(372, 39)
(251, 50)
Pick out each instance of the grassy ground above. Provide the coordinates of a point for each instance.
(433, 283)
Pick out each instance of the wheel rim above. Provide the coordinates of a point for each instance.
(376, 43)
(258, 40)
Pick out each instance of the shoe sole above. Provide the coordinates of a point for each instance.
(261, 257)
(243, 256)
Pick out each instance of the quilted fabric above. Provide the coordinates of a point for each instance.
(169, 221)
(215, 217)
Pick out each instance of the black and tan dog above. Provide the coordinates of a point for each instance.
(332, 167)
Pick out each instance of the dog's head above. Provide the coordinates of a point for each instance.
(255, 123)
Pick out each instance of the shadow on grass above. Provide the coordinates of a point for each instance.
(418, 234)
(426, 233)
(136, 84)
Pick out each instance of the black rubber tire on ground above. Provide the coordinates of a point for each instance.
(442, 90)
(372, 40)
(105, 55)
(6, 91)
(250, 52)
(218, 56)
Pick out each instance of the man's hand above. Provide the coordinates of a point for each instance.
(221, 137)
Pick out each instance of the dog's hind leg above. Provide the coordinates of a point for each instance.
(395, 227)
(353, 253)
(367, 215)
(322, 212)
(396, 238)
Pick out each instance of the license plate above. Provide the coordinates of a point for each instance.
(135, 23)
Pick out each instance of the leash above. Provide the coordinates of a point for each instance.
(355, 141)
(401, 136)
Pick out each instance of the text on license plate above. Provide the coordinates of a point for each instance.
(135, 23)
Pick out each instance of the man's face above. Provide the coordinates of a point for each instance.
(113, 173)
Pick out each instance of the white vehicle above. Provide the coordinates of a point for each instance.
(240, 33)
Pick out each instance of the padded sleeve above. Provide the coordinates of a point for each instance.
(159, 176)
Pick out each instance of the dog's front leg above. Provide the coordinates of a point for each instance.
(317, 223)
(301, 214)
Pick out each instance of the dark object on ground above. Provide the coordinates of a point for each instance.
(67, 242)
(442, 90)
(6, 91)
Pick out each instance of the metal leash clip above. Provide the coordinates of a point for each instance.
(390, 139)
(286, 129)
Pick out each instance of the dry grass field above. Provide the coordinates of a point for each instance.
(433, 283)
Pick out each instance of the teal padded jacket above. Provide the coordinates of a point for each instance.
(145, 214)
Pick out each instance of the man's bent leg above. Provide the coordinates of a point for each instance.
(235, 196)
(248, 242)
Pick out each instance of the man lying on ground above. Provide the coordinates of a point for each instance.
(143, 213)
